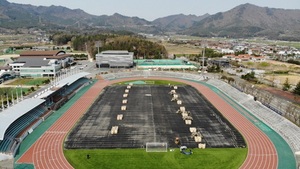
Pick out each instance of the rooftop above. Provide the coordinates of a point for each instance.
(53, 54)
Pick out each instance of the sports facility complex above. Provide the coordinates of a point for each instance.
(129, 111)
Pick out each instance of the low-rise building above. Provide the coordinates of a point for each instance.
(114, 59)
(227, 51)
(258, 58)
(41, 63)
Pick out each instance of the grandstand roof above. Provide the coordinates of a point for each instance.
(71, 79)
(11, 114)
(66, 81)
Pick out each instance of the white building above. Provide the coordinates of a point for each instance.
(227, 51)
(41, 63)
(114, 59)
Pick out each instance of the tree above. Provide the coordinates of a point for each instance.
(286, 85)
(230, 79)
(297, 89)
(224, 77)
(249, 76)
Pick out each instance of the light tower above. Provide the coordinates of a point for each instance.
(203, 55)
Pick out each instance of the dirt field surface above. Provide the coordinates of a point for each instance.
(283, 64)
(293, 79)
(182, 49)
(9, 56)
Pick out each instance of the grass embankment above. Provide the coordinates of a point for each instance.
(215, 158)
(29, 81)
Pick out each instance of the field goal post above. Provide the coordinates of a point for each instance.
(156, 147)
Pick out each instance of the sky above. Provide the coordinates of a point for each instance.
(153, 9)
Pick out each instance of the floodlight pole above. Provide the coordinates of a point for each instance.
(203, 55)
(7, 100)
(12, 97)
(21, 94)
(203, 58)
(2, 103)
(17, 94)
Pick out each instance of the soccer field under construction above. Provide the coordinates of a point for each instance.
(124, 117)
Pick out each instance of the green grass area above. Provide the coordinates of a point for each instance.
(264, 64)
(138, 158)
(151, 82)
(28, 81)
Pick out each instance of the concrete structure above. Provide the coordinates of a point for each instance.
(114, 59)
(297, 155)
(41, 63)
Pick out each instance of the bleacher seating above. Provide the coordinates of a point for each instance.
(19, 125)
(146, 73)
(18, 129)
(75, 85)
(288, 131)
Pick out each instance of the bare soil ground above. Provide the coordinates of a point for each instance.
(293, 79)
(283, 94)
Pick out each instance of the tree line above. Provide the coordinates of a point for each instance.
(91, 42)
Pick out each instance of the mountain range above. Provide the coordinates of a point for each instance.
(245, 20)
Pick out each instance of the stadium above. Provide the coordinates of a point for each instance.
(228, 119)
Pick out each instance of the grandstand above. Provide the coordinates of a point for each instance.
(17, 118)
(21, 119)
(150, 73)
(288, 131)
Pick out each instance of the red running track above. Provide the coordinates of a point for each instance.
(47, 151)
